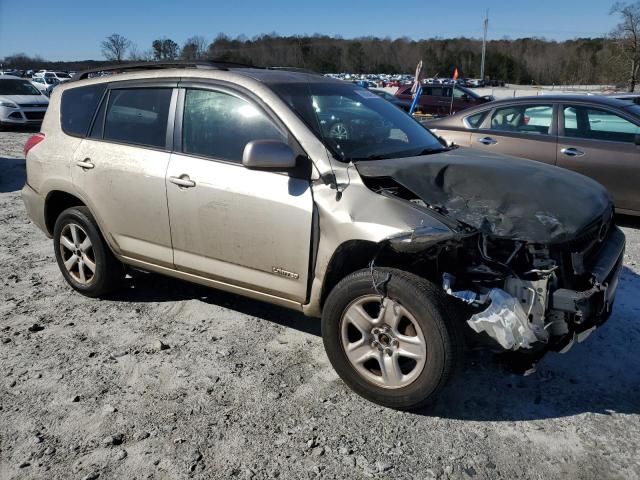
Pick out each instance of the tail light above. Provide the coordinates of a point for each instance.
(32, 142)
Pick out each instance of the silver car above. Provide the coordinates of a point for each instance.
(319, 196)
(21, 104)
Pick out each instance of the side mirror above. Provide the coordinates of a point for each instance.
(270, 154)
(465, 97)
(636, 139)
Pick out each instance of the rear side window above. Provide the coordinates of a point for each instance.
(596, 124)
(138, 116)
(77, 108)
(220, 125)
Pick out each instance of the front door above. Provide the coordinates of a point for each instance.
(601, 144)
(119, 169)
(519, 130)
(250, 228)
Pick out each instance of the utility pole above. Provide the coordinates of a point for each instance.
(484, 44)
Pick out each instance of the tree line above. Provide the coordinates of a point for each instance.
(614, 59)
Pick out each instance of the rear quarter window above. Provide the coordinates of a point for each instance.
(77, 108)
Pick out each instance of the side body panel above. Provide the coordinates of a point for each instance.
(615, 165)
(126, 191)
(542, 149)
(248, 227)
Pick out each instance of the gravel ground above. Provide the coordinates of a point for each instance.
(171, 380)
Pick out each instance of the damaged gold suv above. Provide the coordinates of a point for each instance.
(317, 195)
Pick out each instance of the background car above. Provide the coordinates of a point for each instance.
(436, 99)
(597, 136)
(343, 119)
(20, 102)
(398, 102)
(60, 76)
(44, 83)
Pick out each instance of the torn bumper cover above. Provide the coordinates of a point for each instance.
(593, 306)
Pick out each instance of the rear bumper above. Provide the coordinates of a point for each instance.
(593, 307)
(34, 203)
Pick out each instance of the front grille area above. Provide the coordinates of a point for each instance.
(585, 239)
(34, 115)
(578, 254)
(32, 105)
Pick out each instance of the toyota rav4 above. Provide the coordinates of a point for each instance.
(320, 196)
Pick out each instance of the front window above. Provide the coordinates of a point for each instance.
(596, 124)
(356, 124)
(17, 87)
(474, 121)
(530, 119)
(220, 125)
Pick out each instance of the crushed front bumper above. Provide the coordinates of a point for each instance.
(591, 308)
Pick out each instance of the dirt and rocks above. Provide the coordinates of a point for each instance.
(169, 380)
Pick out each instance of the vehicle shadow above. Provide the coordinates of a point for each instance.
(12, 174)
(601, 375)
(151, 287)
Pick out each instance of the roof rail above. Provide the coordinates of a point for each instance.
(294, 69)
(131, 67)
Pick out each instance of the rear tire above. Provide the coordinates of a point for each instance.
(84, 258)
(422, 345)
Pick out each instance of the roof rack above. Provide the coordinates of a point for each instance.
(131, 67)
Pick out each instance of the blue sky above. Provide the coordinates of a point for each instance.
(73, 30)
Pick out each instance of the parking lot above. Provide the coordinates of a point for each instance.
(170, 380)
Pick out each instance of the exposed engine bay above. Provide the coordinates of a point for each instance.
(537, 272)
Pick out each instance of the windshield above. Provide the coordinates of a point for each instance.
(17, 87)
(356, 124)
(63, 75)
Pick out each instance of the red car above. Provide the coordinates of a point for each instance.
(436, 99)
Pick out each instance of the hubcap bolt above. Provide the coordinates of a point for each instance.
(395, 343)
(388, 351)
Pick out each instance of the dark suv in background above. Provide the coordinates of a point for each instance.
(436, 99)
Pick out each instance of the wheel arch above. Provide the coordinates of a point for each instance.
(56, 202)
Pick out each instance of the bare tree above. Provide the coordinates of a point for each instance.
(195, 48)
(114, 47)
(627, 37)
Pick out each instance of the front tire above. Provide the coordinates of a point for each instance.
(399, 351)
(84, 258)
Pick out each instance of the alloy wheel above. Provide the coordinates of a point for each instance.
(77, 253)
(383, 341)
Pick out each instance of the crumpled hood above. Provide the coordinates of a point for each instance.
(502, 196)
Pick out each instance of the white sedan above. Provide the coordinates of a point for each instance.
(20, 102)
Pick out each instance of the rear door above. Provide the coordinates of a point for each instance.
(520, 130)
(435, 101)
(120, 168)
(600, 142)
(249, 228)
